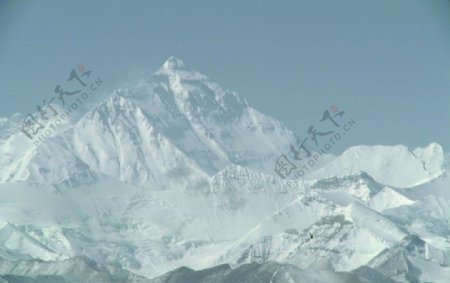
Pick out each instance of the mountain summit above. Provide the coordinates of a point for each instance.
(175, 124)
(173, 63)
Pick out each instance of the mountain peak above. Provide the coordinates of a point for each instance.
(173, 63)
(175, 67)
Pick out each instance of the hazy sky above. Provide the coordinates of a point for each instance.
(386, 63)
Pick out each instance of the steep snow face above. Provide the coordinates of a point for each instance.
(394, 166)
(201, 117)
(9, 126)
(387, 199)
(433, 158)
(175, 125)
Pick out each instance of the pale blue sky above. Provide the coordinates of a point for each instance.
(385, 62)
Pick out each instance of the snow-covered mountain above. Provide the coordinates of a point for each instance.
(391, 165)
(176, 174)
(177, 124)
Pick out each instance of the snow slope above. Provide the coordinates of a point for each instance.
(395, 166)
